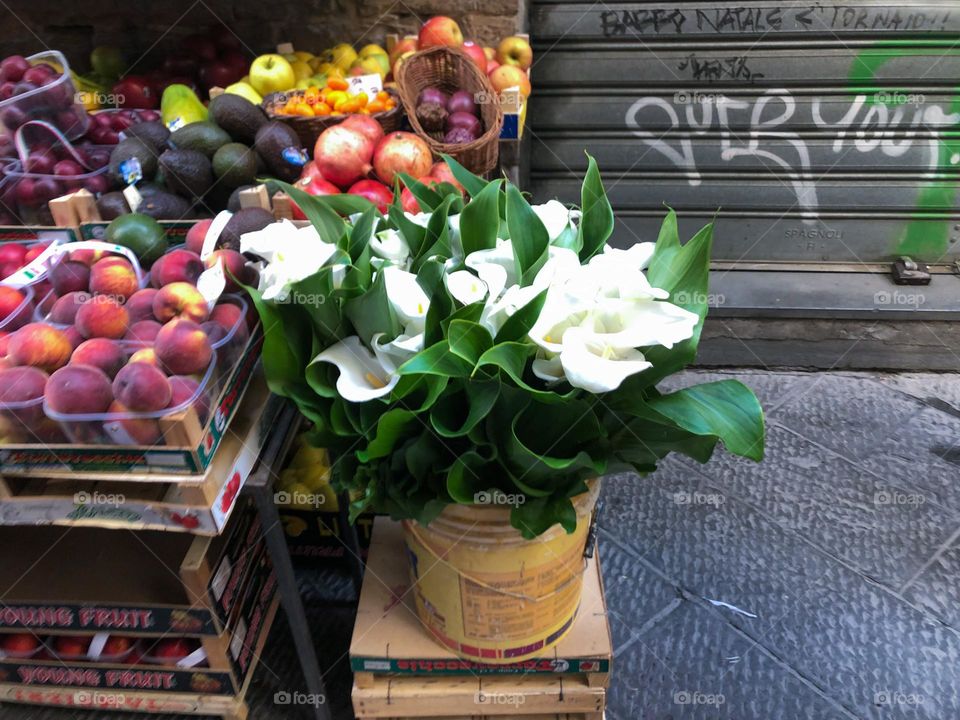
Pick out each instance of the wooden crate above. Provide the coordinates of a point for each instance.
(199, 504)
(401, 672)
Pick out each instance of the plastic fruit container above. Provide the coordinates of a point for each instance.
(53, 98)
(106, 125)
(33, 271)
(21, 314)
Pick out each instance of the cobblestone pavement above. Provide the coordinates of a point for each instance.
(823, 583)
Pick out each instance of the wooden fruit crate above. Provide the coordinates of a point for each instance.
(401, 672)
(199, 504)
(221, 591)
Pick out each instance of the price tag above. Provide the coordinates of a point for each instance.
(369, 84)
(175, 124)
(295, 156)
(212, 282)
(133, 196)
(213, 233)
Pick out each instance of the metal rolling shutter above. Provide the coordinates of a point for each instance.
(824, 137)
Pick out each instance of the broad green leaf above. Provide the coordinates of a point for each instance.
(537, 515)
(727, 409)
(361, 232)
(518, 325)
(428, 199)
(468, 339)
(391, 426)
(511, 358)
(480, 220)
(436, 233)
(473, 184)
(328, 224)
(465, 479)
(436, 360)
(372, 313)
(285, 343)
(596, 225)
(456, 414)
(430, 279)
(413, 234)
(529, 236)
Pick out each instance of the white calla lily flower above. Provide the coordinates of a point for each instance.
(390, 245)
(395, 353)
(292, 254)
(466, 287)
(547, 367)
(555, 216)
(362, 376)
(597, 367)
(407, 298)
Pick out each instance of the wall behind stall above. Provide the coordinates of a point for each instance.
(137, 26)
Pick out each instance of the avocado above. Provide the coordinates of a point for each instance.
(235, 164)
(281, 150)
(164, 205)
(204, 137)
(112, 205)
(238, 116)
(186, 172)
(243, 221)
(133, 149)
(154, 134)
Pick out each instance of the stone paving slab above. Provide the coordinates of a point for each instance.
(937, 588)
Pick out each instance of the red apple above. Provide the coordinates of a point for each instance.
(136, 91)
(117, 645)
(476, 54)
(440, 30)
(71, 646)
(407, 44)
(174, 649)
(19, 643)
(508, 76)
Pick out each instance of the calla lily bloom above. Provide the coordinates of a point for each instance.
(362, 375)
(292, 254)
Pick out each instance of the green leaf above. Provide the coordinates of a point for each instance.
(468, 339)
(427, 198)
(361, 232)
(569, 239)
(535, 516)
(372, 313)
(436, 360)
(518, 325)
(596, 225)
(413, 234)
(480, 220)
(466, 477)
(430, 279)
(328, 224)
(727, 409)
(511, 359)
(436, 240)
(473, 184)
(285, 343)
(391, 426)
(456, 414)
(345, 204)
(529, 236)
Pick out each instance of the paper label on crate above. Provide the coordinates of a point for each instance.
(369, 84)
(97, 645)
(219, 583)
(213, 233)
(131, 171)
(239, 637)
(212, 282)
(193, 659)
(35, 269)
(133, 196)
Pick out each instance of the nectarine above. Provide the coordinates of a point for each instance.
(40, 345)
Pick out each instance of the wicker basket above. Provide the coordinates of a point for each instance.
(452, 70)
(308, 129)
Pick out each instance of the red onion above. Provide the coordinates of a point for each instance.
(377, 193)
(366, 125)
(401, 152)
(459, 136)
(461, 101)
(464, 120)
(432, 95)
(342, 155)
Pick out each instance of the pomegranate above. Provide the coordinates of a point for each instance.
(317, 186)
(342, 155)
(401, 152)
(442, 172)
(376, 192)
(366, 125)
(310, 173)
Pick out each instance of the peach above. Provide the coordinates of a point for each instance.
(4, 343)
(183, 348)
(74, 336)
(102, 316)
(227, 315)
(34, 251)
(140, 305)
(145, 355)
(143, 331)
(215, 332)
(180, 300)
(86, 256)
(130, 430)
(142, 387)
(69, 276)
(196, 236)
(40, 345)
(78, 389)
(19, 385)
(176, 266)
(183, 389)
(106, 354)
(64, 310)
(235, 268)
(10, 301)
(114, 277)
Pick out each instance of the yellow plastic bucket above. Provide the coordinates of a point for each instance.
(487, 593)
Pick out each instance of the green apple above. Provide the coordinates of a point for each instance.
(244, 90)
(271, 73)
